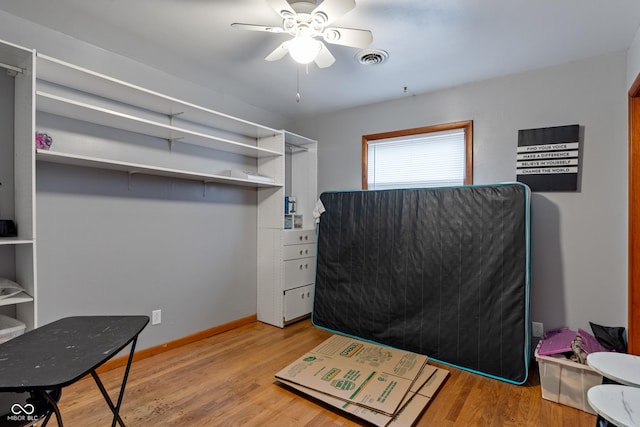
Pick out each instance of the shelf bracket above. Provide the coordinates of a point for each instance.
(129, 175)
(171, 141)
(172, 115)
(294, 148)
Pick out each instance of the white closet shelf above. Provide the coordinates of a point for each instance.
(14, 241)
(72, 76)
(61, 106)
(134, 168)
(18, 299)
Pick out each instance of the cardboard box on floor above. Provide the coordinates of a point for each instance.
(384, 386)
(410, 410)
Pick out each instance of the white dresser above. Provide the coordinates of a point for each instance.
(287, 257)
(299, 260)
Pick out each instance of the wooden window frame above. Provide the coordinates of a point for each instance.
(467, 125)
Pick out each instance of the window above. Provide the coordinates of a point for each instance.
(432, 156)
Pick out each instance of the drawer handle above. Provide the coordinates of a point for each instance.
(306, 251)
(305, 266)
(306, 237)
(301, 252)
(300, 237)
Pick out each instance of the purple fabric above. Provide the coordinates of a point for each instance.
(559, 341)
(589, 343)
(556, 341)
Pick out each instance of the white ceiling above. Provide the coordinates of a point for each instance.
(432, 44)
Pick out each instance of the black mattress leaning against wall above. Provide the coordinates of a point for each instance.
(443, 272)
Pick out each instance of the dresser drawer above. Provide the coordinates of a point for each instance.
(296, 237)
(299, 272)
(298, 251)
(298, 302)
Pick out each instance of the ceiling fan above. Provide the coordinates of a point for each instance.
(308, 22)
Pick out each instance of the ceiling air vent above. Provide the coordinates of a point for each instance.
(372, 56)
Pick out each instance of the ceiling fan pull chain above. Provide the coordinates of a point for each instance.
(297, 84)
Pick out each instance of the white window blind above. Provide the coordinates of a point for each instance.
(434, 159)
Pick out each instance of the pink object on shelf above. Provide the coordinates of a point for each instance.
(43, 141)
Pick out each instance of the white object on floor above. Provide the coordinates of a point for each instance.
(618, 404)
(620, 367)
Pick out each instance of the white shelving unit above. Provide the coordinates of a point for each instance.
(287, 258)
(98, 121)
(17, 201)
(76, 93)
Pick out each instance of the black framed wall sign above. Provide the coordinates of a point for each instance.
(548, 159)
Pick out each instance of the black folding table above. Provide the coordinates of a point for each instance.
(51, 357)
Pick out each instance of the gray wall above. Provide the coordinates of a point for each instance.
(6, 147)
(110, 246)
(633, 60)
(579, 242)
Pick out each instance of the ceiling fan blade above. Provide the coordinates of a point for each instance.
(278, 53)
(252, 27)
(334, 9)
(282, 8)
(325, 58)
(348, 37)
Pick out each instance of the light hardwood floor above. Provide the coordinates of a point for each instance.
(228, 380)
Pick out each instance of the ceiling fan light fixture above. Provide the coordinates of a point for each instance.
(304, 49)
(308, 23)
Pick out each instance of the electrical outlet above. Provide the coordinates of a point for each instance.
(156, 317)
(537, 329)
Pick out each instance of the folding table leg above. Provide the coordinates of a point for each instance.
(116, 409)
(45, 395)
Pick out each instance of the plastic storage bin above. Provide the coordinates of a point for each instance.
(10, 328)
(566, 382)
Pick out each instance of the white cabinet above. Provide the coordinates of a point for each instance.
(298, 302)
(290, 251)
(287, 257)
(299, 261)
(17, 182)
(299, 270)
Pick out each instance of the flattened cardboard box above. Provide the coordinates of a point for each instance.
(410, 410)
(362, 378)
(359, 372)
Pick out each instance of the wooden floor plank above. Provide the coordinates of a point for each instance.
(228, 380)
